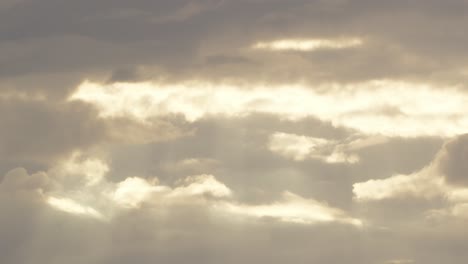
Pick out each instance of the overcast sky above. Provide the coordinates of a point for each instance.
(233, 131)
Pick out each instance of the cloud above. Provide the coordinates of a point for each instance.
(434, 183)
(452, 161)
(42, 132)
(37, 132)
(148, 217)
(400, 261)
(308, 44)
(380, 107)
(19, 179)
(236, 151)
(133, 191)
(227, 131)
(72, 207)
(89, 43)
(302, 147)
(125, 130)
(296, 209)
(442, 177)
(85, 40)
(108, 199)
(419, 185)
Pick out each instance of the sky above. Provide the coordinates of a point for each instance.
(233, 131)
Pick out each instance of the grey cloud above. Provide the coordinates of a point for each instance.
(238, 145)
(127, 74)
(37, 133)
(37, 234)
(54, 86)
(398, 156)
(41, 132)
(90, 38)
(453, 161)
(235, 150)
(48, 47)
(34, 233)
(126, 131)
(19, 179)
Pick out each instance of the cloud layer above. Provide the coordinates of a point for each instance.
(233, 131)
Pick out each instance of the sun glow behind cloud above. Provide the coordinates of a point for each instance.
(388, 108)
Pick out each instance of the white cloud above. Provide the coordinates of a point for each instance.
(206, 190)
(308, 44)
(295, 209)
(201, 185)
(133, 191)
(388, 108)
(294, 146)
(421, 184)
(299, 147)
(70, 206)
(291, 208)
(428, 183)
(90, 171)
(104, 199)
